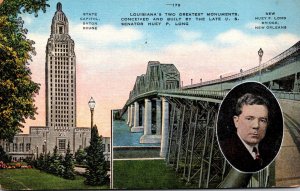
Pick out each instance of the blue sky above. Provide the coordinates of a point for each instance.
(110, 12)
(110, 58)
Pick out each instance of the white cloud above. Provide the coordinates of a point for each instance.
(188, 35)
(106, 34)
(232, 36)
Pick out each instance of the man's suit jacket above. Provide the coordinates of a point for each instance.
(239, 157)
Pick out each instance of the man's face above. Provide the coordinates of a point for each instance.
(252, 123)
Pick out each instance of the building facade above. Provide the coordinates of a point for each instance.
(60, 76)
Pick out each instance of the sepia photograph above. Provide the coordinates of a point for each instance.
(250, 127)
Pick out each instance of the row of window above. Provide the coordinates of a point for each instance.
(60, 93)
(61, 145)
(63, 77)
(62, 107)
(62, 120)
(60, 58)
(64, 65)
(62, 126)
(62, 102)
(21, 147)
(62, 85)
(61, 54)
(61, 50)
(62, 90)
(62, 80)
(56, 98)
(64, 116)
(62, 71)
(61, 111)
(61, 98)
(61, 45)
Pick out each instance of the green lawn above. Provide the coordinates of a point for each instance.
(131, 153)
(145, 174)
(33, 179)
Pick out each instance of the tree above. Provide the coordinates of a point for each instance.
(40, 162)
(80, 156)
(17, 90)
(47, 161)
(55, 162)
(96, 172)
(3, 156)
(69, 165)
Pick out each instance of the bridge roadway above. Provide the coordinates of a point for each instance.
(202, 95)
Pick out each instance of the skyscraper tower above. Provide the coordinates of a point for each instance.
(60, 83)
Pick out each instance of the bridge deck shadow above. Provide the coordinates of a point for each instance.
(287, 171)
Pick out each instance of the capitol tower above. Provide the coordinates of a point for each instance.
(61, 127)
(60, 84)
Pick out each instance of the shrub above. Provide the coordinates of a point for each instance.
(2, 165)
(18, 165)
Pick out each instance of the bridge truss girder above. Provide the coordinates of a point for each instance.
(193, 148)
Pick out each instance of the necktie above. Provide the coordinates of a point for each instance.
(257, 156)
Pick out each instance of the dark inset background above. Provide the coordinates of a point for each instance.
(225, 124)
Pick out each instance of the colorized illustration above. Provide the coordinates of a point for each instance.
(110, 94)
(77, 157)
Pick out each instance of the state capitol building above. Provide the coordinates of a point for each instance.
(60, 129)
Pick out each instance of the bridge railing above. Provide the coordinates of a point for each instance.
(197, 93)
(273, 61)
(287, 95)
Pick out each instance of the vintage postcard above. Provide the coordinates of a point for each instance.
(132, 94)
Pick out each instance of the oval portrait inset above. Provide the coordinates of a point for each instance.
(250, 127)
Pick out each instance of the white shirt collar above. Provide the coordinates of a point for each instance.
(249, 147)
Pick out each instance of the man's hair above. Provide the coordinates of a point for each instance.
(250, 99)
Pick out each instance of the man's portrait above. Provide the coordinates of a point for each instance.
(250, 127)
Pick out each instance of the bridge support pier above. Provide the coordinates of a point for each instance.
(128, 115)
(143, 114)
(158, 117)
(148, 137)
(297, 83)
(131, 116)
(165, 128)
(136, 127)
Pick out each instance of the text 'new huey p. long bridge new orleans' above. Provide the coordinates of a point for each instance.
(183, 119)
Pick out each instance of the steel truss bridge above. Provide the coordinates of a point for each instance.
(187, 117)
